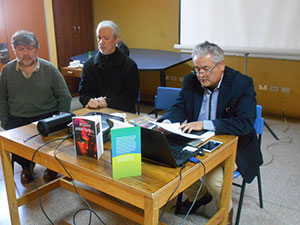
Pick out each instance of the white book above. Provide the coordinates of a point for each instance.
(175, 128)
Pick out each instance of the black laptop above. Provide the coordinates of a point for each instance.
(157, 147)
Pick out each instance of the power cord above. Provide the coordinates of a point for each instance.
(199, 189)
(180, 177)
(75, 188)
(287, 140)
(37, 190)
(92, 211)
(34, 180)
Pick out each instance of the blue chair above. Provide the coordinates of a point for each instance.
(138, 104)
(259, 124)
(165, 98)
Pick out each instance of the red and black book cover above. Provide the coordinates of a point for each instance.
(87, 135)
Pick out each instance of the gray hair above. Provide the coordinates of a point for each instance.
(110, 24)
(205, 48)
(25, 38)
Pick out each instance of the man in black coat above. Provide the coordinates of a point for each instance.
(217, 98)
(110, 78)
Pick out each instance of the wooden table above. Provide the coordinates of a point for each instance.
(148, 192)
(72, 77)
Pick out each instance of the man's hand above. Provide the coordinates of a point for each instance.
(93, 104)
(96, 103)
(188, 127)
(163, 130)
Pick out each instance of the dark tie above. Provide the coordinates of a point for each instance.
(209, 106)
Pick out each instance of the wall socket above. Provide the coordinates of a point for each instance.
(263, 87)
(173, 78)
(167, 77)
(273, 88)
(286, 90)
(180, 79)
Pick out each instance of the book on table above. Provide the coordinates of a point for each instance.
(87, 133)
(126, 150)
(144, 121)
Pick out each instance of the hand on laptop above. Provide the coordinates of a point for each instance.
(189, 127)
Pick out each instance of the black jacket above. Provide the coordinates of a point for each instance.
(115, 76)
(236, 113)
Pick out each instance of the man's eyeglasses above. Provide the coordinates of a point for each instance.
(196, 70)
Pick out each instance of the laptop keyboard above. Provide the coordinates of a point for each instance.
(176, 145)
(178, 153)
(181, 154)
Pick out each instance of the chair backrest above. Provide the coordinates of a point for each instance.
(139, 97)
(123, 48)
(138, 103)
(165, 97)
(259, 122)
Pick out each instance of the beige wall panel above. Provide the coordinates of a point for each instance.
(154, 25)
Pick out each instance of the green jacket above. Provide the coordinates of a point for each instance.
(45, 91)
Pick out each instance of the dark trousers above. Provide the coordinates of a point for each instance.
(14, 122)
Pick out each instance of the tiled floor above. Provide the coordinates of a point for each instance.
(280, 178)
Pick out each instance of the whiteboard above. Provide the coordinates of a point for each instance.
(258, 27)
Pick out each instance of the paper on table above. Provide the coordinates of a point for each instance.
(174, 128)
(118, 124)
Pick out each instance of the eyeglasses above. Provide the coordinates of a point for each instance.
(196, 70)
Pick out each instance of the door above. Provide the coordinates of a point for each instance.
(23, 15)
(74, 27)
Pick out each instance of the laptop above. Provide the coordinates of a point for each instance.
(159, 148)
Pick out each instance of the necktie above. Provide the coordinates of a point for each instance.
(209, 106)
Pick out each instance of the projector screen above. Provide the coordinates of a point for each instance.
(262, 28)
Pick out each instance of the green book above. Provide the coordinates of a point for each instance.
(126, 152)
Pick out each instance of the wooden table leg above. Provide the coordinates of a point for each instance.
(10, 186)
(227, 182)
(151, 211)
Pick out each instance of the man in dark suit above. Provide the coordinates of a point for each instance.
(110, 78)
(218, 98)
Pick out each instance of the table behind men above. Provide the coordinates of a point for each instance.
(149, 191)
(146, 60)
(149, 60)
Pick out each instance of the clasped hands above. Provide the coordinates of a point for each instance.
(96, 103)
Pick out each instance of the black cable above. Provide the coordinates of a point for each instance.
(199, 189)
(75, 188)
(180, 177)
(287, 140)
(34, 180)
(72, 180)
(91, 210)
(29, 138)
(37, 190)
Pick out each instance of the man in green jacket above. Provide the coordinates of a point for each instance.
(31, 89)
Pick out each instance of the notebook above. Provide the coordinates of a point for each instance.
(158, 148)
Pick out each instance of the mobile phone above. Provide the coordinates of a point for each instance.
(210, 145)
